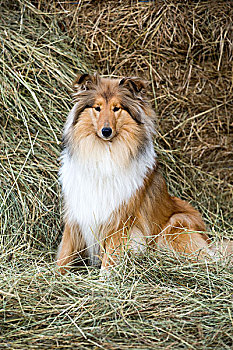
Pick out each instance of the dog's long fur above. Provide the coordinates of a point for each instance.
(114, 193)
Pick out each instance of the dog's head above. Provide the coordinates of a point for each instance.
(110, 111)
(110, 102)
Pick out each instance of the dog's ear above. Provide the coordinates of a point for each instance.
(134, 85)
(85, 81)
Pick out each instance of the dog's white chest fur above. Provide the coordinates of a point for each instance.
(94, 189)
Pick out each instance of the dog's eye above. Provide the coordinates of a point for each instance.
(115, 109)
(98, 109)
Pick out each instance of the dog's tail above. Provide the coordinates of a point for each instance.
(223, 249)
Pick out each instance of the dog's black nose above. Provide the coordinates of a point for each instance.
(106, 132)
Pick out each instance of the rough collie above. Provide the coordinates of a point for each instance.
(114, 194)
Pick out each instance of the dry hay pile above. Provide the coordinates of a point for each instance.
(160, 301)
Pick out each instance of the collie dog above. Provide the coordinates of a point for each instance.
(114, 194)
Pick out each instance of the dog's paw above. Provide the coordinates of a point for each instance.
(105, 274)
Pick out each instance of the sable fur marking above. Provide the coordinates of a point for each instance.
(113, 187)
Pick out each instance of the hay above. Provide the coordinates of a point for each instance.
(160, 301)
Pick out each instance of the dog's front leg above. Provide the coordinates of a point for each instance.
(112, 249)
(115, 244)
(66, 250)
